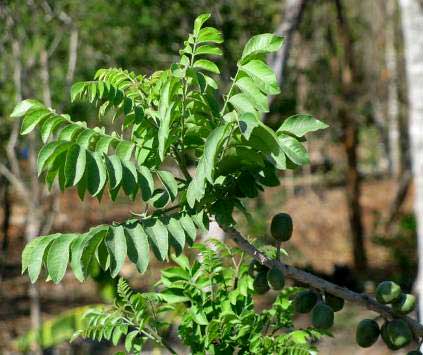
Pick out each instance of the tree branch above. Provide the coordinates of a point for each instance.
(16, 182)
(319, 283)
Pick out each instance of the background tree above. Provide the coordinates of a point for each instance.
(412, 23)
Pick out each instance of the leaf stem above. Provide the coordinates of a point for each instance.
(228, 96)
(182, 165)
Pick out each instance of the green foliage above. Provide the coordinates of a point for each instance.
(215, 303)
(56, 330)
(159, 123)
(162, 119)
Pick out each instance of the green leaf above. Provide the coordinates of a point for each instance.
(247, 123)
(248, 87)
(114, 170)
(84, 138)
(76, 90)
(242, 103)
(58, 256)
(48, 152)
(259, 135)
(24, 106)
(169, 183)
(102, 145)
(164, 130)
(206, 65)
(262, 75)
(209, 34)
(207, 49)
(211, 148)
(35, 255)
(198, 316)
(261, 44)
(294, 150)
(68, 132)
(201, 220)
(83, 249)
(130, 339)
(116, 245)
(189, 227)
(33, 118)
(124, 150)
(199, 21)
(300, 124)
(75, 165)
(137, 242)
(171, 298)
(130, 179)
(96, 173)
(146, 182)
(49, 126)
(206, 164)
(29, 249)
(160, 199)
(158, 237)
(177, 232)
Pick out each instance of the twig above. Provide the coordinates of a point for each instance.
(321, 284)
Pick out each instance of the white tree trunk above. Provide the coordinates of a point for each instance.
(393, 103)
(412, 25)
(293, 11)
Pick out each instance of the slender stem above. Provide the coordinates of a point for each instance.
(181, 163)
(228, 96)
(278, 251)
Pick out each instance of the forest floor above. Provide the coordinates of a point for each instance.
(320, 241)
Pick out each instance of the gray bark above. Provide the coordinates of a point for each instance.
(412, 25)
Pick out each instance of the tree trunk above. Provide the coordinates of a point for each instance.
(7, 209)
(353, 190)
(293, 11)
(32, 230)
(412, 25)
(393, 101)
(349, 80)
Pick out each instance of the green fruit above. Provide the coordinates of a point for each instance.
(367, 333)
(404, 304)
(260, 284)
(322, 316)
(281, 227)
(304, 301)
(387, 292)
(276, 279)
(396, 334)
(385, 337)
(256, 267)
(334, 302)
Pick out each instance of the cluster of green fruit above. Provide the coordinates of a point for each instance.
(265, 278)
(395, 333)
(322, 309)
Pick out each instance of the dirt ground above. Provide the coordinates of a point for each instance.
(320, 240)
